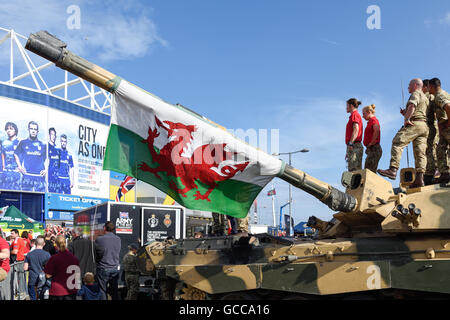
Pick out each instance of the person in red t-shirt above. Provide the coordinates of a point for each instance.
(353, 136)
(27, 241)
(64, 270)
(372, 139)
(17, 246)
(4, 258)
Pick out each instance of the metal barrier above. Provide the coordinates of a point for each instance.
(14, 287)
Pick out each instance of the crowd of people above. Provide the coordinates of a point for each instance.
(426, 125)
(63, 264)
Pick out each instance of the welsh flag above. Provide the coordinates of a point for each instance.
(193, 160)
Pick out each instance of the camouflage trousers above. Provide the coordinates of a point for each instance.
(242, 224)
(354, 157)
(431, 153)
(417, 134)
(443, 151)
(132, 281)
(374, 154)
(219, 224)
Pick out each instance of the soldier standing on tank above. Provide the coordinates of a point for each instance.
(131, 272)
(371, 140)
(242, 224)
(353, 136)
(219, 226)
(415, 130)
(442, 105)
(433, 137)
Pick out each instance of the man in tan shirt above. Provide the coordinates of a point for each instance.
(415, 130)
(433, 137)
(442, 104)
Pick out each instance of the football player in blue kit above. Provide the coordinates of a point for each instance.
(53, 164)
(31, 155)
(11, 177)
(65, 174)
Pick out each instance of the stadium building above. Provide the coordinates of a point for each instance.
(53, 132)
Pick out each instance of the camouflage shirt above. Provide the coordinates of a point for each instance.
(420, 101)
(130, 263)
(431, 116)
(442, 98)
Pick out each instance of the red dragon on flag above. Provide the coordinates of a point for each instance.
(208, 163)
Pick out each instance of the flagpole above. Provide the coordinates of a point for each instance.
(255, 217)
(273, 207)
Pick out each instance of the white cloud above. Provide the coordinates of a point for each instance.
(116, 31)
(446, 19)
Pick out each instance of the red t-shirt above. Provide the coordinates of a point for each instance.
(354, 117)
(4, 263)
(368, 133)
(27, 245)
(19, 244)
(62, 266)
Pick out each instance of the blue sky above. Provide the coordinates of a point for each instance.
(287, 65)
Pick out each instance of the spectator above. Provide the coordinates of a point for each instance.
(89, 290)
(17, 247)
(49, 246)
(30, 234)
(232, 225)
(34, 263)
(62, 268)
(108, 266)
(87, 252)
(131, 270)
(198, 235)
(4, 259)
(27, 241)
(17, 256)
(33, 244)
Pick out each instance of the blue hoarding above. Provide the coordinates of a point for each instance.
(62, 206)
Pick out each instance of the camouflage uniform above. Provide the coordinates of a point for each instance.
(442, 98)
(220, 226)
(131, 275)
(354, 157)
(242, 224)
(433, 137)
(417, 133)
(374, 154)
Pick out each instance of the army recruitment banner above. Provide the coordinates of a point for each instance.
(44, 149)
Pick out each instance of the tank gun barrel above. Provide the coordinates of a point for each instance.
(335, 199)
(51, 48)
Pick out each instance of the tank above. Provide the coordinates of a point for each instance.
(381, 243)
(393, 244)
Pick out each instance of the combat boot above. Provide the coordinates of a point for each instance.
(444, 178)
(428, 179)
(391, 173)
(418, 182)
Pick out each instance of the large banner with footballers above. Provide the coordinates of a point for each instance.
(48, 150)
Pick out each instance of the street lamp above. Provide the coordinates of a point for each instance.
(290, 191)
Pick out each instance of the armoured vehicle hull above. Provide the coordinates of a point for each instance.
(274, 268)
(396, 244)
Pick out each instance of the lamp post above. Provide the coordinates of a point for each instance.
(290, 190)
